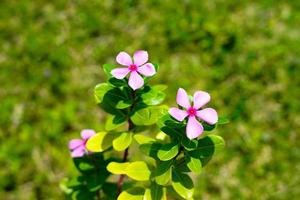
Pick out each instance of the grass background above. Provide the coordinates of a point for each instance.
(245, 53)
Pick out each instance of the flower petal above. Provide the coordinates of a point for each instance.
(119, 73)
(73, 144)
(200, 99)
(182, 98)
(140, 57)
(87, 133)
(135, 80)
(209, 115)
(193, 128)
(78, 152)
(178, 114)
(124, 59)
(147, 69)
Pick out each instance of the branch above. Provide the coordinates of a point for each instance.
(125, 155)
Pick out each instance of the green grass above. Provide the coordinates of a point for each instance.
(245, 53)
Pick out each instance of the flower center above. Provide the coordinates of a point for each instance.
(132, 67)
(191, 111)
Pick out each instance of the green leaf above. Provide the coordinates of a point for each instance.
(148, 116)
(138, 171)
(117, 82)
(223, 120)
(156, 66)
(194, 164)
(124, 104)
(207, 147)
(208, 127)
(174, 132)
(150, 149)
(94, 182)
(182, 184)
(189, 144)
(117, 168)
(111, 99)
(107, 69)
(142, 139)
(100, 142)
(100, 90)
(155, 95)
(147, 195)
(114, 121)
(162, 172)
(122, 142)
(168, 151)
(156, 191)
(132, 194)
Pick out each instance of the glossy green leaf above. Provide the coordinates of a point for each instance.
(162, 173)
(193, 163)
(132, 194)
(148, 116)
(182, 184)
(100, 142)
(155, 95)
(189, 144)
(142, 139)
(124, 104)
(123, 141)
(107, 69)
(168, 151)
(207, 147)
(111, 99)
(208, 127)
(117, 82)
(138, 171)
(100, 91)
(114, 121)
(156, 66)
(117, 168)
(147, 195)
(158, 192)
(150, 149)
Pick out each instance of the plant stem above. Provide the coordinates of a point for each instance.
(125, 155)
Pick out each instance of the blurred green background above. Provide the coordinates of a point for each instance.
(245, 53)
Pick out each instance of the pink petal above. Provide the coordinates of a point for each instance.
(135, 80)
(140, 57)
(178, 114)
(200, 99)
(87, 133)
(193, 128)
(119, 73)
(124, 59)
(147, 69)
(183, 99)
(73, 144)
(78, 152)
(209, 115)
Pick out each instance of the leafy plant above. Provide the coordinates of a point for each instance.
(180, 149)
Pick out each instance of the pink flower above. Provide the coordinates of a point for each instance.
(135, 67)
(194, 128)
(77, 146)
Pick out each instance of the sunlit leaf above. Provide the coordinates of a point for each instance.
(100, 142)
(138, 171)
(168, 151)
(121, 142)
(182, 184)
(117, 168)
(132, 194)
